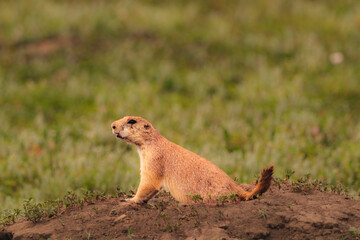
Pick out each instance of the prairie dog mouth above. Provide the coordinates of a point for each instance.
(119, 136)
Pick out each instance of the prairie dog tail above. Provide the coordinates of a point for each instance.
(263, 184)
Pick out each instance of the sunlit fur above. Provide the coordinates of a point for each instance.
(164, 164)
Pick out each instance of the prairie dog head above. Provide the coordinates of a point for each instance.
(135, 130)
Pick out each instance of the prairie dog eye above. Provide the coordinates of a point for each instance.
(131, 121)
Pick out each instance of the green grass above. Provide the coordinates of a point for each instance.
(243, 84)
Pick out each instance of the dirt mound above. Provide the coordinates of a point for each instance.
(279, 214)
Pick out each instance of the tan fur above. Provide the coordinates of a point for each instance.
(164, 164)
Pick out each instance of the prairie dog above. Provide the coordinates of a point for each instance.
(164, 164)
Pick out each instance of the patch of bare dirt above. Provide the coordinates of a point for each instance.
(45, 46)
(278, 214)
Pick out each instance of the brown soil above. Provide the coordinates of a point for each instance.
(278, 214)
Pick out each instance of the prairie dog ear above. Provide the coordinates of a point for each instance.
(146, 126)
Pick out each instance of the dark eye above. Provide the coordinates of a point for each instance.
(132, 121)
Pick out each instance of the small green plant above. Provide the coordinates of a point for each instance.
(52, 207)
(91, 196)
(233, 197)
(197, 198)
(130, 233)
(196, 222)
(88, 234)
(262, 213)
(33, 211)
(194, 214)
(15, 214)
(277, 181)
(354, 232)
(339, 189)
(175, 226)
(302, 184)
(342, 238)
(320, 185)
(119, 193)
(221, 200)
(161, 205)
(194, 211)
(7, 216)
(72, 200)
(289, 173)
(169, 228)
(221, 214)
(95, 209)
(163, 216)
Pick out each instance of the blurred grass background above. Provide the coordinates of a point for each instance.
(244, 84)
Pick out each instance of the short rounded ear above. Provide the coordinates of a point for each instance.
(146, 126)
